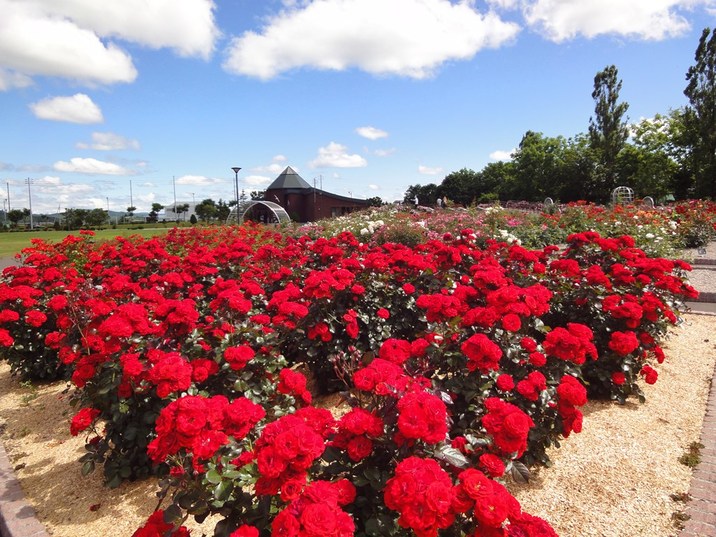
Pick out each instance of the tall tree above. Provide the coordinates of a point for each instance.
(537, 167)
(608, 129)
(701, 114)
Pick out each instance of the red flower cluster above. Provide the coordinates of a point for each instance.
(287, 448)
(201, 425)
(422, 492)
(356, 431)
(572, 344)
(156, 527)
(317, 512)
(508, 425)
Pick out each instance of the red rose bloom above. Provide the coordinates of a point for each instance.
(508, 425)
(82, 420)
(650, 374)
(505, 382)
(618, 378)
(482, 353)
(245, 531)
(238, 356)
(623, 343)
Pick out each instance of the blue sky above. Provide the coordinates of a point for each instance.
(103, 100)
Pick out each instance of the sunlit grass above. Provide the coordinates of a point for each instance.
(12, 243)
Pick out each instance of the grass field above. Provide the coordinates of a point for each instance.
(12, 243)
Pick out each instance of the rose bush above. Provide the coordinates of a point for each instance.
(460, 360)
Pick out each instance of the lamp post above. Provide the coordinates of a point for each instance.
(236, 186)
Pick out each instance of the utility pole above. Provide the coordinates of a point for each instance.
(29, 195)
(174, 183)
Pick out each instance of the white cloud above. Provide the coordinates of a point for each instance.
(48, 180)
(561, 20)
(503, 4)
(374, 187)
(187, 27)
(427, 170)
(11, 79)
(256, 180)
(384, 152)
(371, 133)
(335, 155)
(76, 109)
(200, 180)
(108, 141)
(70, 38)
(501, 155)
(34, 42)
(409, 38)
(278, 164)
(90, 166)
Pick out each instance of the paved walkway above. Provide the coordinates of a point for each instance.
(702, 507)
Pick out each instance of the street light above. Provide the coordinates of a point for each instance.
(236, 192)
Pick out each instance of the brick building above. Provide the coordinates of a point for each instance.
(305, 203)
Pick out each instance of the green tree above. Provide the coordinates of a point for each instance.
(461, 187)
(426, 194)
(153, 215)
(701, 114)
(15, 215)
(206, 210)
(375, 201)
(181, 208)
(608, 131)
(95, 218)
(75, 218)
(491, 181)
(650, 164)
(579, 164)
(222, 210)
(538, 167)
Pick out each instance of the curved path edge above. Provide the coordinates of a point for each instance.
(701, 507)
(17, 517)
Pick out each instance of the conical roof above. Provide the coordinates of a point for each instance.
(288, 179)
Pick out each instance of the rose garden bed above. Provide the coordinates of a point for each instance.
(462, 363)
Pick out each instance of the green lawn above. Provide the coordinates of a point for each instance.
(12, 243)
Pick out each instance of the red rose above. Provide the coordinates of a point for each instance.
(245, 531)
(505, 382)
(511, 322)
(82, 420)
(395, 350)
(482, 353)
(623, 343)
(650, 374)
(238, 356)
(492, 464)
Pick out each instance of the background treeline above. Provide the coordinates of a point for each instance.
(668, 155)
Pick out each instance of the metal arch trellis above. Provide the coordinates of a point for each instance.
(244, 207)
(622, 195)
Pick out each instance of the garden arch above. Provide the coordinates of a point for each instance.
(622, 195)
(278, 213)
